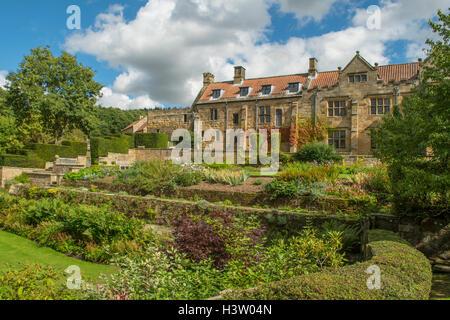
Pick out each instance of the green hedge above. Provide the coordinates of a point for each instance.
(31, 160)
(405, 274)
(151, 140)
(79, 148)
(100, 146)
(48, 152)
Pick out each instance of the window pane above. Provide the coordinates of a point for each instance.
(380, 102)
(261, 119)
(373, 110)
(342, 112)
(380, 109)
(336, 144)
(363, 78)
(336, 111)
(343, 103)
(387, 109)
(352, 79)
(330, 112)
(342, 134)
(330, 104)
(374, 102)
(387, 102)
(336, 135)
(358, 78)
(268, 110)
(330, 135)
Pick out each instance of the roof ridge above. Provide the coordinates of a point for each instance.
(397, 64)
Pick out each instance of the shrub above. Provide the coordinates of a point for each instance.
(406, 274)
(290, 189)
(34, 282)
(309, 173)
(100, 146)
(285, 158)
(231, 177)
(218, 236)
(317, 152)
(92, 173)
(150, 176)
(350, 238)
(151, 140)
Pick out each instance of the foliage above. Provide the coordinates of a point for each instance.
(110, 121)
(101, 146)
(218, 236)
(58, 90)
(95, 233)
(308, 173)
(47, 152)
(92, 173)
(420, 185)
(285, 158)
(23, 178)
(34, 282)
(151, 140)
(150, 176)
(232, 177)
(9, 140)
(349, 236)
(406, 274)
(294, 188)
(354, 192)
(317, 152)
(308, 132)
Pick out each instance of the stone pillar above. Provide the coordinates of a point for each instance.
(354, 128)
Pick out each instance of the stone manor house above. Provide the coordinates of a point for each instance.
(351, 101)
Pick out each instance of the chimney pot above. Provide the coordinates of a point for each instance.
(312, 67)
(239, 74)
(208, 78)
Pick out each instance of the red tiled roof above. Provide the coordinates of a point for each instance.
(325, 79)
(395, 72)
(142, 127)
(131, 124)
(398, 72)
(279, 83)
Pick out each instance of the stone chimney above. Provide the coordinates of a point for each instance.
(239, 75)
(312, 72)
(208, 78)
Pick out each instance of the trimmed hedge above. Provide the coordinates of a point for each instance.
(151, 140)
(100, 146)
(30, 160)
(79, 148)
(48, 152)
(405, 274)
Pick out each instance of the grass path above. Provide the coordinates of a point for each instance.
(15, 250)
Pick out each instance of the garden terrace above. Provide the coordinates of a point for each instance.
(161, 211)
(244, 195)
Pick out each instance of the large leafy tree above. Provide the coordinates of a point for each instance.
(415, 140)
(57, 94)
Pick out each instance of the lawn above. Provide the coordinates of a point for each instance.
(15, 250)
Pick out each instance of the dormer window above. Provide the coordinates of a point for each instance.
(266, 89)
(356, 78)
(243, 91)
(216, 93)
(293, 87)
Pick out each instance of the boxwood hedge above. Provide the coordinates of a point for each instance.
(405, 274)
(151, 140)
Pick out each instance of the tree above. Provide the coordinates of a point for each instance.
(56, 92)
(415, 140)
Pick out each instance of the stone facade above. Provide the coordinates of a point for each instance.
(362, 92)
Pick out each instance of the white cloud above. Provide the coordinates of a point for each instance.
(304, 10)
(170, 43)
(123, 101)
(3, 80)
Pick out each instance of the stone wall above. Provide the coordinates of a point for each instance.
(9, 173)
(135, 155)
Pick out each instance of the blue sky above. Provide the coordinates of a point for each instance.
(152, 53)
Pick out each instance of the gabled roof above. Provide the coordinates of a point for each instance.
(399, 72)
(134, 123)
(280, 85)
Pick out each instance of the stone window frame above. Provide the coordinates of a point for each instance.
(339, 105)
(235, 118)
(338, 138)
(264, 116)
(380, 109)
(185, 118)
(213, 114)
(357, 77)
(278, 116)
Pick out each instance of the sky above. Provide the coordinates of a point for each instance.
(153, 53)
